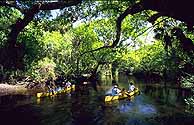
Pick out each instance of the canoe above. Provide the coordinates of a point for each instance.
(121, 96)
(44, 94)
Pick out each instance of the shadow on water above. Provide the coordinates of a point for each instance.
(155, 105)
(17, 109)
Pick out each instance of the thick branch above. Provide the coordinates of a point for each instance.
(20, 24)
(6, 4)
(144, 31)
(130, 10)
(59, 5)
(44, 5)
(97, 49)
(154, 17)
(177, 9)
(29, 15)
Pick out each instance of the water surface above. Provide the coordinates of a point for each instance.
(155, 105)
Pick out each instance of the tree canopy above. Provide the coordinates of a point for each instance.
(105, 31)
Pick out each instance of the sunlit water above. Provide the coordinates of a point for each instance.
(155, 105)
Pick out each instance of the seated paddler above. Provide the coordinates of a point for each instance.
(131, 87)
(50, 84)
(116, 90)
(68, 84)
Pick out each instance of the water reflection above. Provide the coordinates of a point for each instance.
(137, 108)
(155, 105)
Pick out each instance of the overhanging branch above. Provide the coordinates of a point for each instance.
(97, 49)
(154, 17)
(130, 10)
(6, 4)
(59, 5)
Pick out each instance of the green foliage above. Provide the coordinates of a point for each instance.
(188, 81)
(148, 58)
(44, 46)
(190, 102)
(43, 69)
(8, 17)
(32, 37)
(84, 40)
(152, 58)
(105, 30)
(70, 49)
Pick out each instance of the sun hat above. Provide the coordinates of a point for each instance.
(115, 86)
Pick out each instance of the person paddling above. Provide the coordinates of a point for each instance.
(131, 87)
(50, 84)
(68, 84)
(115, 90)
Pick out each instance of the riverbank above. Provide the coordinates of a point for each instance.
(6, 89)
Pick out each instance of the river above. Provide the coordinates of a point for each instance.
(155, 105)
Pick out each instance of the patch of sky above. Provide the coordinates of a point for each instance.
(54, 13)
(146, 38)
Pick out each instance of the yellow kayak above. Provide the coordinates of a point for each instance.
(44, 94)
(121, 96)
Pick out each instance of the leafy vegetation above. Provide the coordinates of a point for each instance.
(85, 35)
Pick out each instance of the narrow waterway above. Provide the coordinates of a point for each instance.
(155, 105)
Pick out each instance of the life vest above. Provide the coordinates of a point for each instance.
(131, 87)
(115, 91)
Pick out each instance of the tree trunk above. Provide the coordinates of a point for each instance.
(12, 54)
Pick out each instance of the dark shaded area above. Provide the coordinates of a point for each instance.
(185, 43)
(20, 115)
(17, 110)
(149, 77)
(178, 120)
(180, 10)
(155, 105)
(11, 57)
